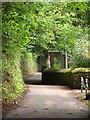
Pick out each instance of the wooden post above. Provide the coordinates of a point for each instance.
(82, 84)
(49, 61)
(86, 88)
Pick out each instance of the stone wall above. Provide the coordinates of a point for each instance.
(60, 78)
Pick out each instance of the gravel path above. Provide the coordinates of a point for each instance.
(49, 101)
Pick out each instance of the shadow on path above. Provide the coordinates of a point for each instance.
(36, 79)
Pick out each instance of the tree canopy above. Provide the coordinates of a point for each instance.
(36, 25)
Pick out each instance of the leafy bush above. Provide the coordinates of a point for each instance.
(56, 65)
(80, 60)
(12, 84)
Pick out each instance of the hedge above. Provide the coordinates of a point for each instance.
(69, 78)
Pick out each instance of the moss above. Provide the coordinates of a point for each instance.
(66, 70)
(81, 69)
(51, 70)
(70, 77)
(89, 102)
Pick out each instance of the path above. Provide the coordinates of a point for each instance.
(49, 101)
(36, 79)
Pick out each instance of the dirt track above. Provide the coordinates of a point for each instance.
(49, 101)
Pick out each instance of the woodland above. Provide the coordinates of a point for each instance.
(29, 29)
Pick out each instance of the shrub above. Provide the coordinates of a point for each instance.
(80, 60)
(12, 84)
(56, 65)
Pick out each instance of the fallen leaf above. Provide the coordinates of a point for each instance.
(26, 106)
(35, 111)
(82, 110)
(45, 113)
(60, 110)
(69, 113)
(46, 108)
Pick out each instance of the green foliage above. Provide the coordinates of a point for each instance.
(12, 84)
(80, 52)
(28, 65)
(56, 65)
(80, 60)
(51, 25)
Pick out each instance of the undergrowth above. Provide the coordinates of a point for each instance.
(12, 83)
